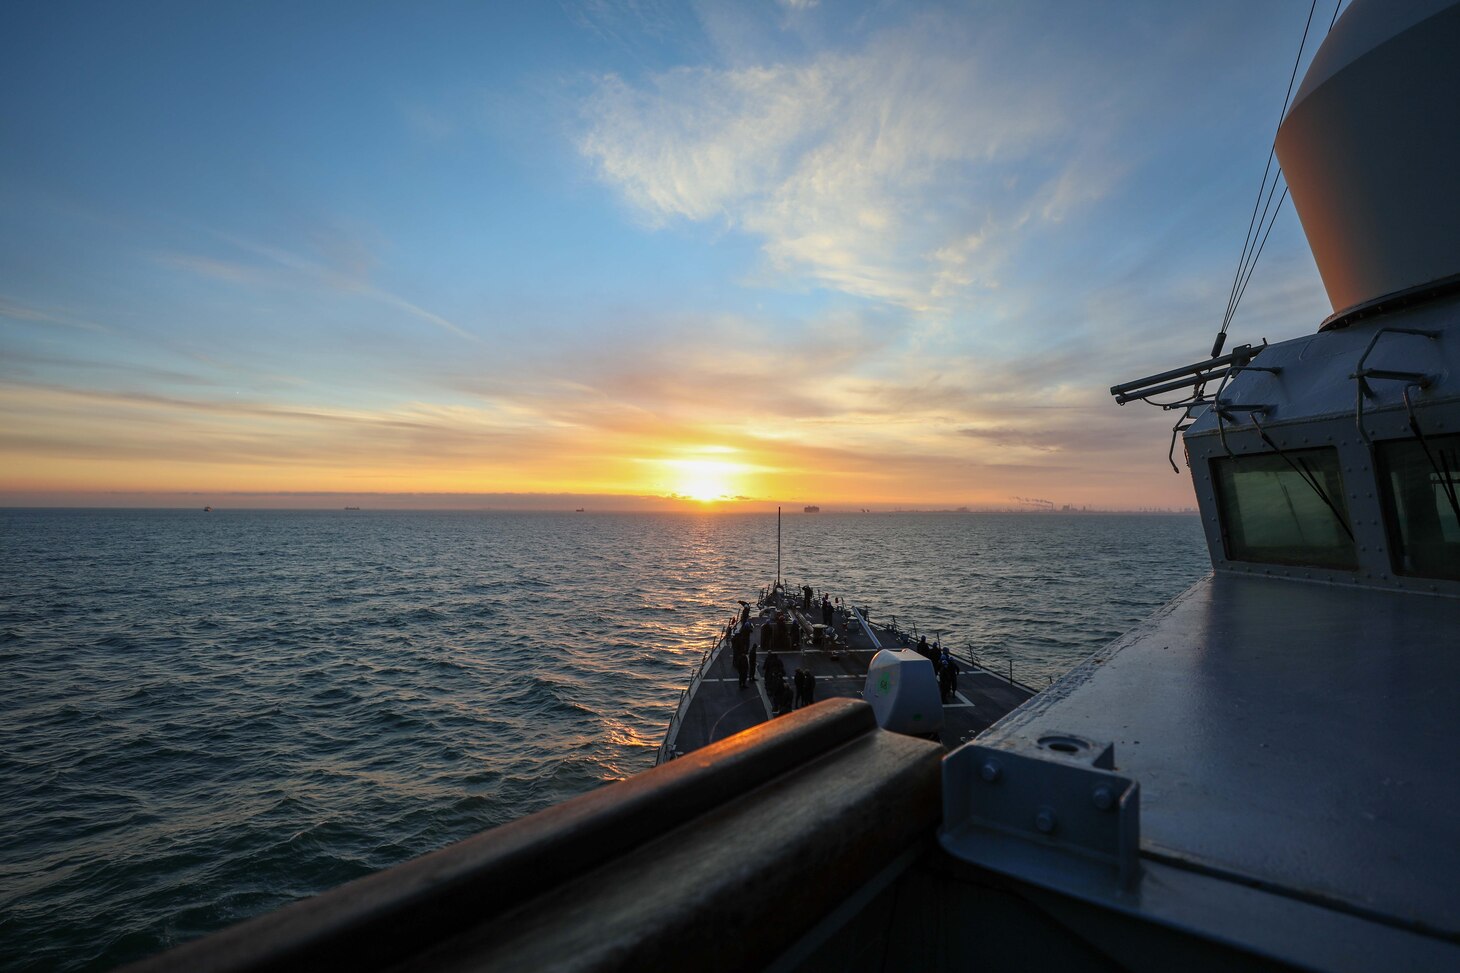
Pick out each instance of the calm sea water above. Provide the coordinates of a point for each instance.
(206, 716)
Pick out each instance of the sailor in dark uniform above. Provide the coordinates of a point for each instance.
(764, 643)
(740, 645)
(775, 675)
(947, 676)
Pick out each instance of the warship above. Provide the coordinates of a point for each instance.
(1262, 775)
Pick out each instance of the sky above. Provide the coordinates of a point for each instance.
(625, 253)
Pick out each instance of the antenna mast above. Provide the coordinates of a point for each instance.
(778, 545)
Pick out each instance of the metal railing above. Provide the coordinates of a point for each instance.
(1008, 666)
(682, 707)
(1002, 666)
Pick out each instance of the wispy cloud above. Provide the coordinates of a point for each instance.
(275, 265)
(892, 172)
(18, 311)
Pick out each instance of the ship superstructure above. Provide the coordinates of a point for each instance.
(1264, 766)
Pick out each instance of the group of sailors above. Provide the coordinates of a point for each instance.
(781, 634)
(943, 665)
(777, 635)
(779, 689)
(829, 606)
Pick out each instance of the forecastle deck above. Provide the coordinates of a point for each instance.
(715, 706)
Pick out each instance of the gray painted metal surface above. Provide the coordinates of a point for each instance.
(1296, 737)
(1059, 799)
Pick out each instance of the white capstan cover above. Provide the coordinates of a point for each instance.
(903, 690)
(1371, 146)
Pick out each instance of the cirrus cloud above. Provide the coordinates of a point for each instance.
(899, 172)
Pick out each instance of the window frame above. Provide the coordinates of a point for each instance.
(1227, 510)
(1389, 502)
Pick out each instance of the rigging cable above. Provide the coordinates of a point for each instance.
(1259, 228)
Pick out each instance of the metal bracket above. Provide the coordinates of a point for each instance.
(1224, 412)
(1362, 375)
(1054, 812)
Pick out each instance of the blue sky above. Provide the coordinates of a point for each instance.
(869, 253)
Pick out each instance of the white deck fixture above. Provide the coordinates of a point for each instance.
(903, 691)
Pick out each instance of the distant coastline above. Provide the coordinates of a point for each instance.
(533, 503)
(736, 510)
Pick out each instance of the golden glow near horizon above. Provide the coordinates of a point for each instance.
(705, 480)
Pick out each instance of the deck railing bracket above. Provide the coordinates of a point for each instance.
(1054, 807)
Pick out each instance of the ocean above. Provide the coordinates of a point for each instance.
(205, 716)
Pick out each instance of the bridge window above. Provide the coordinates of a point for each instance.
(1285, 508)
(1421, 482)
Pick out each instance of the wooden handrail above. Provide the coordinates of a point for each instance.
(452, 895)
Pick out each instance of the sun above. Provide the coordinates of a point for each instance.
(705, 480)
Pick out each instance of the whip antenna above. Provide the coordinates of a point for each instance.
(778, 545)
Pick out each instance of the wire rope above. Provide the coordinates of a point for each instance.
(1259, 228)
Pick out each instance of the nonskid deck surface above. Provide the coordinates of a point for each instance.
(719, 708)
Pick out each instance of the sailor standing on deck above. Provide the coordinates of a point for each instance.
(775, 679)
(825, 610)
(765, 642)
(947, 676)
(740, 645)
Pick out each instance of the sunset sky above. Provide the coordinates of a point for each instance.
(867, 254)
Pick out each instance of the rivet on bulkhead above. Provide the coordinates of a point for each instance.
(1044, 820)
(1104, 798)
(990, 771)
